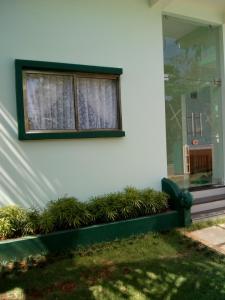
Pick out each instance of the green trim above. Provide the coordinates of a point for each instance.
(72, 135)
(54, 66)
(20, 102)
(21, 65)
(179, 200)
(71, 239)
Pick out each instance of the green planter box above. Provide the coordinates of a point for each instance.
(17, 249)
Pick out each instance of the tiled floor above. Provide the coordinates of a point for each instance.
(213, 237)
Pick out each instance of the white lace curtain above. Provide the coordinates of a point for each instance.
(50, 102)
(97, 103)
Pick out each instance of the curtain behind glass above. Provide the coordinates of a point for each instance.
(50, 102)
(97, 103)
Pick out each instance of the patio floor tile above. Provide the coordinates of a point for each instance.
(213, 237)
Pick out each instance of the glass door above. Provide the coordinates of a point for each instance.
(193, 103)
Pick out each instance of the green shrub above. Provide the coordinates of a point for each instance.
(136, 202)
(15, 222)
(64, 213)
(153, 202)
(127, 204)
(105, 208)
(67, 213)
(34, 219)
(131, 203)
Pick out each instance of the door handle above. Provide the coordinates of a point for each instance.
(192, 124)
(200, 117)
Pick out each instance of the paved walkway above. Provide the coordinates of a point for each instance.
(213, 237)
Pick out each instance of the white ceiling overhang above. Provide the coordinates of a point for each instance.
(213, 10)
(162, 3)
(220, 3)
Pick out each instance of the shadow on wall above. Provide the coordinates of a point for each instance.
(20, 182)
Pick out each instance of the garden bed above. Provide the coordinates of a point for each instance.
(67, 223)
(17, 249)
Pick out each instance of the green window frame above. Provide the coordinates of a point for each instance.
(24, 67)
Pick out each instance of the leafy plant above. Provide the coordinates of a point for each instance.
(129, 203)
(153, 201)
(105, 208)
(67, 213)
(14, 222)
(64, 213)
(34, 217)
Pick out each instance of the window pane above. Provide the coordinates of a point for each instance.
(50, 102)
(97, 103)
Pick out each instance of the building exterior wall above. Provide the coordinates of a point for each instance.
(116, 33)
(208, 11)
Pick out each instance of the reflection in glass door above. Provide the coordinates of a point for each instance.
(193, 103)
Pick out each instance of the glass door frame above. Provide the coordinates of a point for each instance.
(222, 97)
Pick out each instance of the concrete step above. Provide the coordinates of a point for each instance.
(210, 192)
(207, 210)
(208, 199)
(208, 203)
(208, 215)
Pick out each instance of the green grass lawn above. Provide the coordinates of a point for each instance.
(207, 223)
(153, 266)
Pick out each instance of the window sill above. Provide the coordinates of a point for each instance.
(72, 135)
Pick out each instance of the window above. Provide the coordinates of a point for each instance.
(67, 101)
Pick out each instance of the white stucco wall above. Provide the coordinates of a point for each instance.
(223, 86)
(118, 33)
(208, 11)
